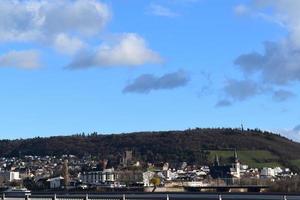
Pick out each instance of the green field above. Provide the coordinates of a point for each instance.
(255, 158)
(296, 162)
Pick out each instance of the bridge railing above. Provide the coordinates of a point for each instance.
(153, 196)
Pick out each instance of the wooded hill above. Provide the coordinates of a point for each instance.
(195, 146)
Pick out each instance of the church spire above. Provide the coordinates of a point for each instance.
(236, 159)
(217, 162)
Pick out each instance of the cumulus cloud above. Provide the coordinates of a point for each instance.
(130, 50)
(282, 95)
(35, 20)
(285, 12)
(68, 45)
(86, 17)
(69, 27)
(28, 59)
(159, 10)
(279, 64)
(148, 82)
(63, 25)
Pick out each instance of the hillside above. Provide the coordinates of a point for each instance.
(253, 158)
(196, 146)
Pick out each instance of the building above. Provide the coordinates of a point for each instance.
(99, 177)
(10, 176)
(236, 167)
(232, 170)
(147, 176)
(56, 183)
(267, 172)
(127, 158)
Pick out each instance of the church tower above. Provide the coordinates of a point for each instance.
(216, 162)
(237, 165)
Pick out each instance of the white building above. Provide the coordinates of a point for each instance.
(9, 176)
(95, 177)
(147, 176)
(267, 172)
(169, 175)
(277, 171)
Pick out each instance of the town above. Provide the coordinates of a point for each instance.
(71, 173)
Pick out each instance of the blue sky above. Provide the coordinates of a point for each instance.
(77, 66)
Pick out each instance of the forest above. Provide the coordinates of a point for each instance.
(192, 145)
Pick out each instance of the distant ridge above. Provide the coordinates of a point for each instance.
(192, 145)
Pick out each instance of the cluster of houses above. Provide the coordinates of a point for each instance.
(70, 172)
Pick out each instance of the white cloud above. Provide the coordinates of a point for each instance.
(68, 26)
(279, 64)
(285, 12)
(28, 59)
(159, 10)
(19, 21)
(54, 22)
(66, 44)
(282, 12)
(33, 20)
(130, 50)
(86, 17)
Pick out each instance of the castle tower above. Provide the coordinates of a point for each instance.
(127, 158)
